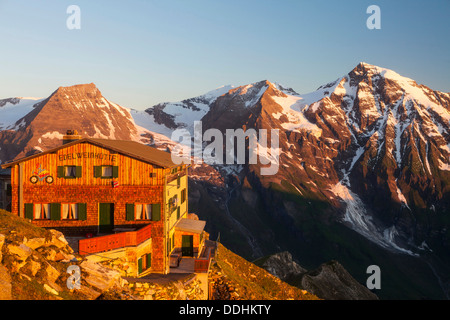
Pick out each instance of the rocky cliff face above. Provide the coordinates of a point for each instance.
(329, 281)
(281, 265)
(37, 125)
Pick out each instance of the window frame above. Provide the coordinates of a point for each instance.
(77, 208)
(98, 172)
(49, 213)
(148, 214)
(62, 170)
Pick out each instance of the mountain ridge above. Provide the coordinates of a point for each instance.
(368, 151)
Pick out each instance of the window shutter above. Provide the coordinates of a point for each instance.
(55, 211)
(130, 212)
(97, 171)
(149, 260)
(115, 171)
(178, 181)
(60, 172)
(78, 171)
(29, 211)
(140, 265)
(156, 212)
(178, 213)
(82, 211)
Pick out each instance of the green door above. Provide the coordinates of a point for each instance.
(106, 217)
(187, 246)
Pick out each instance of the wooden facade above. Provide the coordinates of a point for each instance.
(93, 187)
(5, 189)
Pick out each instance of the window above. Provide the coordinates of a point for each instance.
(144, 262)
(173, 202)
(183, 195)
(106, 172)
(55, 211)
(8, 189)
(42, 211)
(143, 211)
(70, 211)
(69, 172)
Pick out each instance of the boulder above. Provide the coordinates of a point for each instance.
(5, 284)
(98, 276)
(31, 267)
(21, 250)
(35, 243)
(50, 289)
(59, 240)
(52, 273)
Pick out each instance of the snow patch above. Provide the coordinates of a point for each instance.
(357, 216)
(11, 113)
(53, 135)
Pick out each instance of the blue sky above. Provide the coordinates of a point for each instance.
(139, 53)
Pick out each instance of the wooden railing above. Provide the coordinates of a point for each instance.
(202, 264)
(114, 241)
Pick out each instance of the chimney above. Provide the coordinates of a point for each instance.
(71, 135)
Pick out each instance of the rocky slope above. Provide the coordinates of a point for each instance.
(330, 281)
(234, 278)
(34, 264)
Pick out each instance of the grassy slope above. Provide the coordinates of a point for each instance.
(253, 282)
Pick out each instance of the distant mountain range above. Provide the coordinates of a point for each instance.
(364, 169)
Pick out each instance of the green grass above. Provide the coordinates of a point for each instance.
(20, 226)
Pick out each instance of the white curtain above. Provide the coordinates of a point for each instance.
(147, 211)
(69, 211)
(46, 211)
(70, 171)
(107, 171)
(138, 211)
(74, 211)
(65, 211)
(37, 211)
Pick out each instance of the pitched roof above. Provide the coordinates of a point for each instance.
(132, 149)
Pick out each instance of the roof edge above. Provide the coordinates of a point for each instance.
(94, 142)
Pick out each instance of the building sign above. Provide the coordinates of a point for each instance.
(87, 155)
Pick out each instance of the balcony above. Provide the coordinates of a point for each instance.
(114, 241)
(199, 264)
